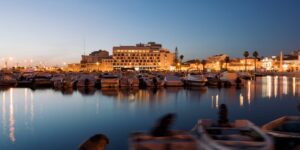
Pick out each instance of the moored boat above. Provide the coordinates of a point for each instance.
(129, 79)
(42, 80)
(194, 79)
(285, 131)
(86, 80)
(7, 80)
(241, 134)
(109, 80)
(172, 80)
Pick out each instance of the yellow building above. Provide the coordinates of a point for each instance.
(149, 56)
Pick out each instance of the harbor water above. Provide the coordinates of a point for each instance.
(54, 119)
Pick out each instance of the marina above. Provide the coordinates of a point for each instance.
(45, 114)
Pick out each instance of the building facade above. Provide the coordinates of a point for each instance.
(150, 56)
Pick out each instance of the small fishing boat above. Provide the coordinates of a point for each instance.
(42, 80)
(109, 80)
(287, 126)
(285, 131)
(231, 79)
(25, 79)
(86, 80)
(172, 80)
(195, 79)
(7, 80)
(129, 79)
(241, 134)
(153, 81)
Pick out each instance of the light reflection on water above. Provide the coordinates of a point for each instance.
(75, 115)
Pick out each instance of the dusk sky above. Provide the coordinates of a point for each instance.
(54, 31)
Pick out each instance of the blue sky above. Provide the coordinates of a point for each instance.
(54, 31)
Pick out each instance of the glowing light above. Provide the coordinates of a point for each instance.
(285, 85)
(249, 92)
(241, 100)
(217, 101)
(294, 86)
(269, 86)
(275, 86)
(11, 118)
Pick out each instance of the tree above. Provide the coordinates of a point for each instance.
(181, 59)
(203, 62)
(246, 55)
(227, 59)
(255, 55)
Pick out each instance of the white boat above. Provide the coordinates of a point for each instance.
(284, 127)
(229, 77)
(153, 81)
(172, 80)
(245, 75)
(86, 80)
(109, 80)
(241, 134)
(194, 79)
(7, 80)
(129, 79)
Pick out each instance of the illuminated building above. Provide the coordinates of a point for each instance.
(149, 56)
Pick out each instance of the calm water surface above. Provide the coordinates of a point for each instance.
(49, 119)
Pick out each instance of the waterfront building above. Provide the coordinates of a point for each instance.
(95, 61)
(238, 64)
(150, 56)
(94, 57)
(271, 63)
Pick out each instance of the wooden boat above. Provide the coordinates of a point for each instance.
(7, 80)
(25, 80)
(194, 79)
(109, 80)
(153, 81)
(129, 79)
(42, 80)
(180, 140)
(172, 80)
(241, 134)
(284, 127)
(285, 131)
(86, 80)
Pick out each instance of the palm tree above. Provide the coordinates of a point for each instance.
(203, 62)
(181, 58)
(227, 59)
(255, 55)
(246, 54)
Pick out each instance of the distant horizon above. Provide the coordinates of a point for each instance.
(60, 31)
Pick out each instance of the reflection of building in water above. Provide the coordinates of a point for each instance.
(217, 101)
(249, 92)
(3, 112)
(267, 87)
(294, 86)
(31, 107)
(241, 100)
(275, 86)
(285, 85)
(11, 118)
